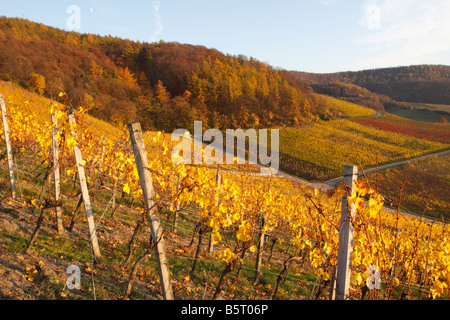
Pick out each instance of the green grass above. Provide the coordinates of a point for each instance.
(416, 114)
(429, 106)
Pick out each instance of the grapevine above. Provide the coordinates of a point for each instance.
(411, 253)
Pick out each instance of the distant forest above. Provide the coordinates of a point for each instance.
(376, 87)
(163, 85)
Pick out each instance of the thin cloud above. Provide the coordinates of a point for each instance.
(104, 8)
(157, 22)
(403, 32)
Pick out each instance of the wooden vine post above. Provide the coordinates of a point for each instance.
(140, 156)
(259, 252)
(177, 209)
(9, 152)
(56, 176)
(85, 194)
(218, 183)
(341, 285)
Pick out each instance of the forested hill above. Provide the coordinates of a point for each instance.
(163, 85)
(169, 85)
(421, 83)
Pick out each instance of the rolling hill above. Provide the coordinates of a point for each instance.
(168, 85)
(418, 83)
(164, 85)
(386, 88)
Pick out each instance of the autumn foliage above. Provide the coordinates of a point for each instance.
(127, 78)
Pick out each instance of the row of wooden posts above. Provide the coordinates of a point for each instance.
(341, 283)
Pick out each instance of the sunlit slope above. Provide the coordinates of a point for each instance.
(319, 151)
(409, 252)
(439, 132)
(346, 109)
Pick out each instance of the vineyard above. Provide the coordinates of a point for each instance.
(429, 131)
(418, 196)
(228, 233)
(340, 141)
(346, 109)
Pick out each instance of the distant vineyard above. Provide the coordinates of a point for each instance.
(320, 150)
(347, 109)
(426, 189)
(428, 131)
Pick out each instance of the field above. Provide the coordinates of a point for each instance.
(430, 131)
(419, 113)
(271, 238)
(319, 151)
(426, 190)
(429, 106)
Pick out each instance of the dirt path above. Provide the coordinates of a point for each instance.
(334, 182)
(324, 187)
(330, 185)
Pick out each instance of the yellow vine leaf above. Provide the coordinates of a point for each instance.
(244, 232)
(227, 256)
(216, 237)
(214, 224)
(126, 188)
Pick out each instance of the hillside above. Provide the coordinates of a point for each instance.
(169, 85)
(343, 141)
(163, 85)
(300, 226)
(386, 86)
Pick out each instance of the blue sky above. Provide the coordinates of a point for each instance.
(304, 35)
